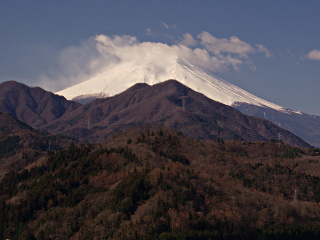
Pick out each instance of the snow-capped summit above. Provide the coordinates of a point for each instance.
(143, 70)
(126, 74)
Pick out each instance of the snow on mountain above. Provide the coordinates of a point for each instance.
(126, 74)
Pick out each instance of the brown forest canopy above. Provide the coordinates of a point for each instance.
(155, 183)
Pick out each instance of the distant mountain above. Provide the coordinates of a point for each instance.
(169, 104)
(33, 105)
(126, 74)
(301, 124)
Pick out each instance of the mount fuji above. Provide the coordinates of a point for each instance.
(124, 75)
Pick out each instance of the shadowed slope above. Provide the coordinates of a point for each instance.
(33, 105)
(22, 146)
(169, 104)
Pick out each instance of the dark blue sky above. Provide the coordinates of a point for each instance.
(34, 35)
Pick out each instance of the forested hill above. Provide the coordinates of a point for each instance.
(169, 104)
(33, 105)
(21, 146)
(158, 184)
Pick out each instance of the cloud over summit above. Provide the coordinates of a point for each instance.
(233, 45)
(100, 53)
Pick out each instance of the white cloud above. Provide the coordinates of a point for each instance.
(101, 53)
(188, 40)
(116, 41)
(149, 32)
(233, 45)
(73, 65)
(163, 24)
(234, 62)
(263, 49)
(167, 26)
(201, 58)
(159, 55)
(313, 55)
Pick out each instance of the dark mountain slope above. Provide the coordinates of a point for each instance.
(9, 124)
(33, 105)
(21, 146)
(169, 104)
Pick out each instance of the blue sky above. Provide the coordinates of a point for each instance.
(276, 44)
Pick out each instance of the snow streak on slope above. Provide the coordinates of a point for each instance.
(124, 75)
(216, 88)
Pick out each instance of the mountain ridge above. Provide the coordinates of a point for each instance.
(301, 124)
(33, 105)
(128, 73)
(22, 146)
(170, 104)
(166, 103)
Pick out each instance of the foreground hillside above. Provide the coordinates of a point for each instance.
(22, 146)
(158, 184)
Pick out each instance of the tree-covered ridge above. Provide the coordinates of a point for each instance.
(158, 184)
(21, 146)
